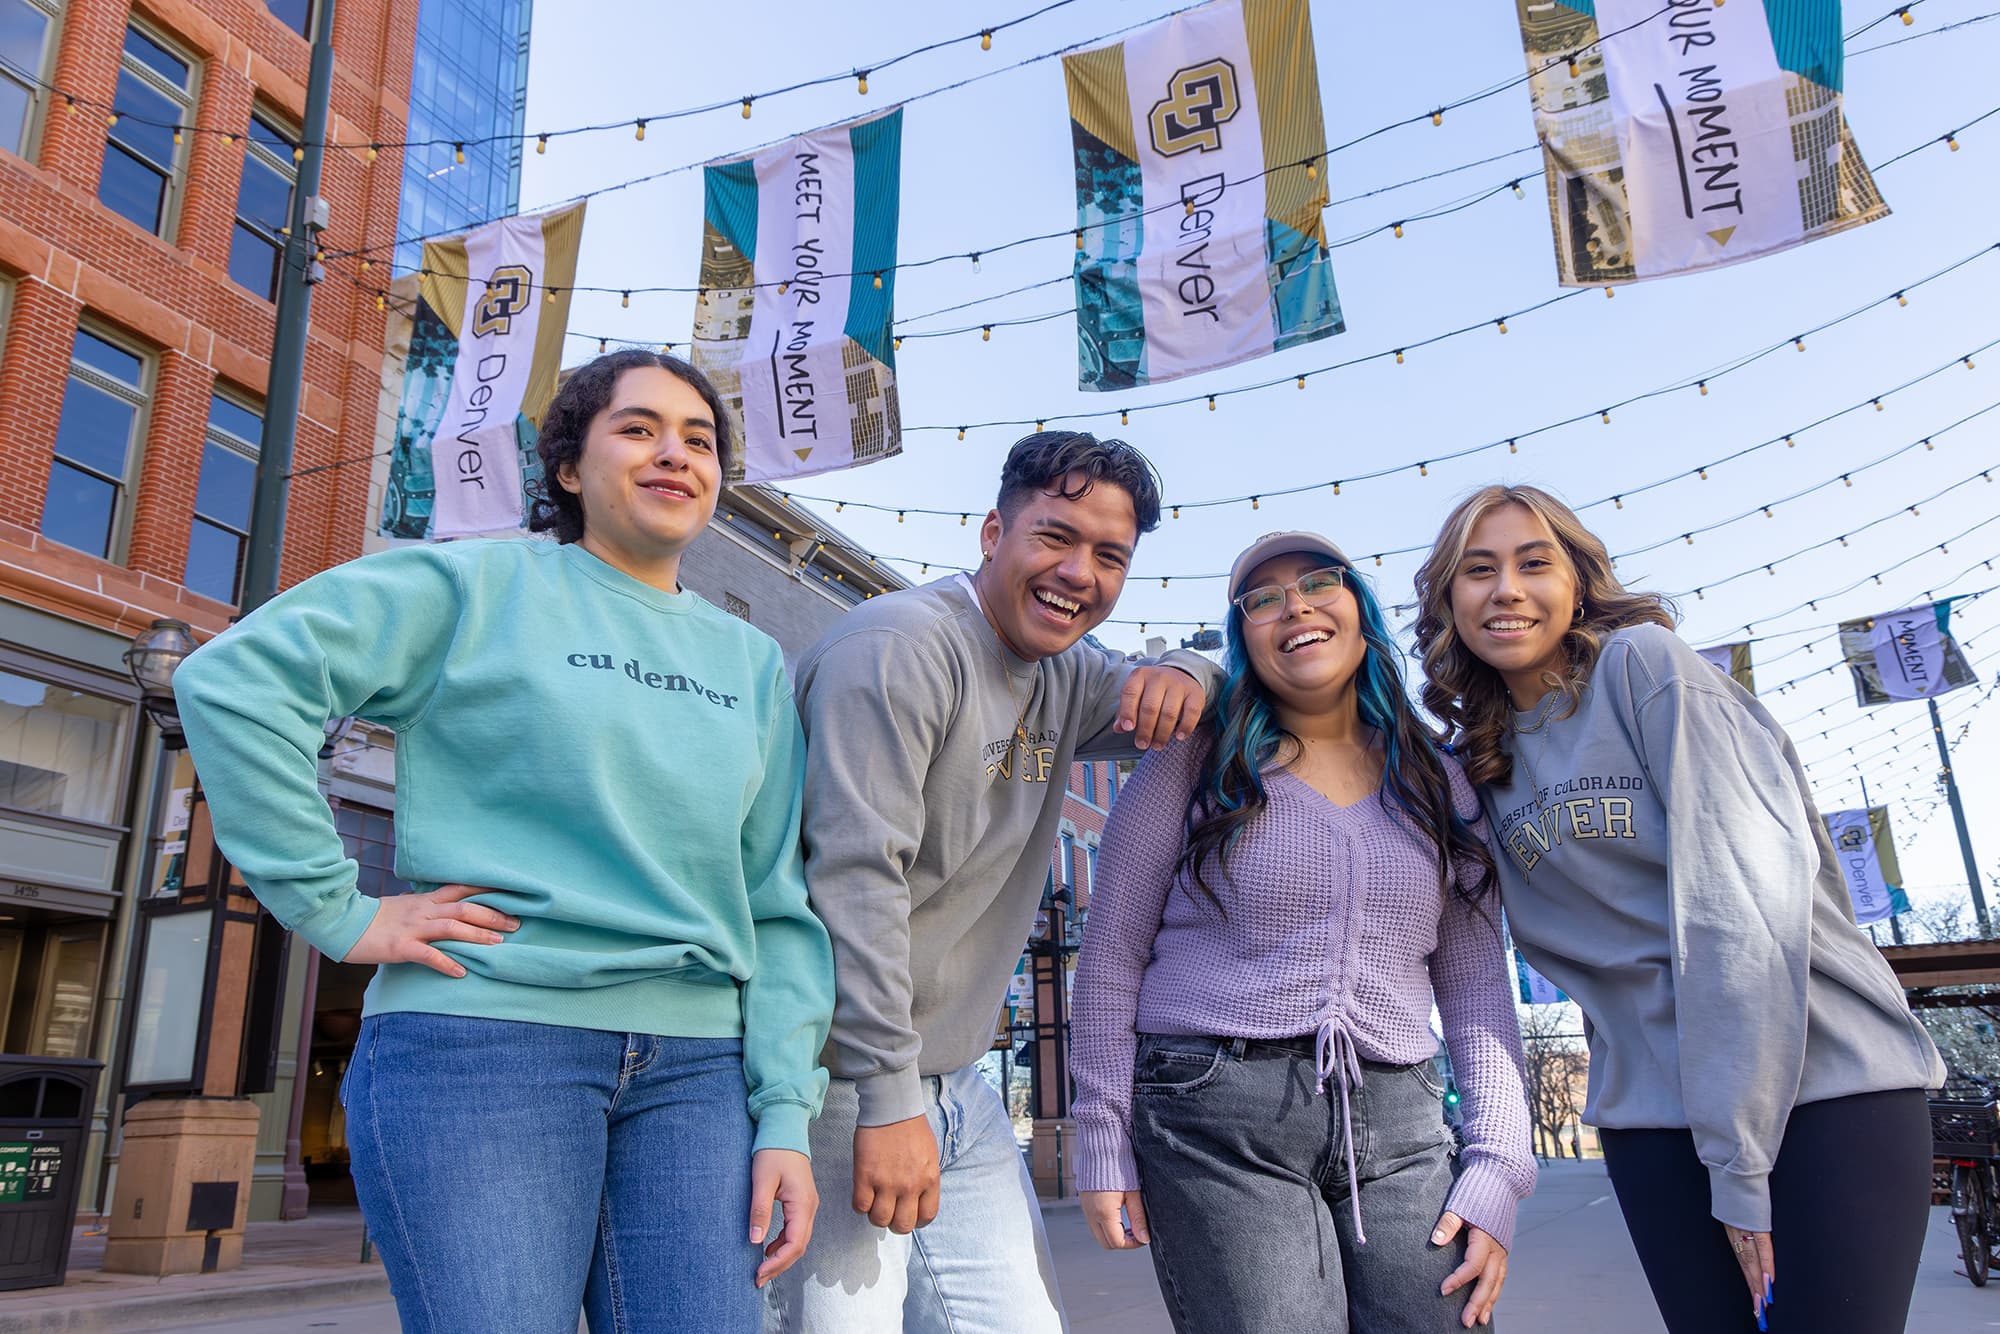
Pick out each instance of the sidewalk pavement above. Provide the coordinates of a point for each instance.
(1572, 1271)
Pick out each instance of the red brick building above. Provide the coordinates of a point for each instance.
(147, 160)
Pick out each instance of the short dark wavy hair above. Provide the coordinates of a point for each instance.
(1043, 461)
(585, 393)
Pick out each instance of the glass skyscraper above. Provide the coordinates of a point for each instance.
(468, 82)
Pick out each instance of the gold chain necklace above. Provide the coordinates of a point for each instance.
(1521, 749)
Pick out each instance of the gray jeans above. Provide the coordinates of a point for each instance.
(1245, 1183)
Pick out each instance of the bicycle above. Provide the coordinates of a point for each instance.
(1965, 1125)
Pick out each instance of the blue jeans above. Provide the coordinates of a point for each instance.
(1247, 1193)
(513, 1174)
(981, 1267)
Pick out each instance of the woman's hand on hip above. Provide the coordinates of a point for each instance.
(1485, 1268)
(1754, 1258)
(406, 925)
(1101, 1210)
(784, 1175)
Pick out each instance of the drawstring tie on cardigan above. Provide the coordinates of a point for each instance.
(1334, 1054)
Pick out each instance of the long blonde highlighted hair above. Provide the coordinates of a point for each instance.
(1461, 690)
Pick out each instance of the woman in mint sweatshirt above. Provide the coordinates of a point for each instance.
(1755, 1073)
(581, 1083)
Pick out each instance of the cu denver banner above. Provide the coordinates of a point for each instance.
(798, 278)
(1202, 239)
(485, 344)
(1906, 654)
(1867, 857)
(1697, 134)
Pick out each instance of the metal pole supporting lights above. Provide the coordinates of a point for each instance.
(151, 659)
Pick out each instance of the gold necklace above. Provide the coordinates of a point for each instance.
(1521, 749)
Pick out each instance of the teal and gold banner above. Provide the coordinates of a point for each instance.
(1690, 135)
(1200, 176)
(1867, 856)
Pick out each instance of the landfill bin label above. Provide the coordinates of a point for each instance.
(28, 1171)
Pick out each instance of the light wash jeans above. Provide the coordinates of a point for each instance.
(981, 1267)
(513, 1174)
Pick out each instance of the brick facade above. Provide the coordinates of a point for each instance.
(65, 257)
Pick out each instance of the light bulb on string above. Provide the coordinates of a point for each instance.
(1518, 192)
(1968, 363)
(1399, 356)
(1951, 142)
(177, 134)
(1703, 386)
(1124, 417)
(861, 82)
(1928, 446)
(458, 151)
(1211, 402)
(1254, 503)
(878, 280)
(1800, 342)
(1399, 230)
(299, 154)
(1902, 300)
(1079, 238)
(1513, 448)
(625, 301)
(1501, 324)
(975, 261)
(1177, 511)
(746, 107)
(1302, 382)
(541, 143)
(986, 39)
(1609, 291)
(600, 347)
(961, 520)
(639, 130)
(961, 433)
(899, 342)
(1437, 117)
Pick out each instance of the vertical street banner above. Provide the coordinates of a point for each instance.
(1691, 134)
(798, 286)
(1907, 654)
(1535, 989)
(1733, 661)
(485, 345)
(1867, 856)
(1200, 176)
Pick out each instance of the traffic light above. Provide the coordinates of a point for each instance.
(1451, 1097)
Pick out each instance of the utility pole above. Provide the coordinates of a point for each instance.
(284, 390)
(1895, 922)
(1958, 818)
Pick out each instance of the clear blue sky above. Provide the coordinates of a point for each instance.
(991, 162)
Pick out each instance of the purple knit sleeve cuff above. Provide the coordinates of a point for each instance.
(1104, 1158)
(1485, 1198)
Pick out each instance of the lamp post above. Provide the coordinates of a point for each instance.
(152, 658)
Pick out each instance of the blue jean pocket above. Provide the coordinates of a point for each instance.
(1168, 1064)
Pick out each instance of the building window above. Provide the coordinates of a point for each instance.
(1111, 775)
(263, 209)
(294, 14)
(221, 528)
(142, 151)
(62, 750)
(1067, 865)
(96, 447)
(1090, 862)
(370, 838)
(27, 45)
(1090, 783)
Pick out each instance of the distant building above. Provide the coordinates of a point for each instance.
(469, 86)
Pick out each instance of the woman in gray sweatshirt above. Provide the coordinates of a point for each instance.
(1754, 1069)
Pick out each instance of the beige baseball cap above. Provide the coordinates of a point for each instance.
(1279, 544)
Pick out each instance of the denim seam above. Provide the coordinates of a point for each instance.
(607, 1238)
(1166, 1267)
(944, 1303)
(388, 1177)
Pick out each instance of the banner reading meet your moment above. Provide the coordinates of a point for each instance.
(1907, 654)
(1706, 136)
(798, 279)
(1202, 239)
(485, 346)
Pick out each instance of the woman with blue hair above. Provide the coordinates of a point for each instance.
(1278, 904)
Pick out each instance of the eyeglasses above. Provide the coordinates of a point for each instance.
(1315, 588)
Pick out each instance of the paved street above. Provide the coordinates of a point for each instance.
(1572, 1272)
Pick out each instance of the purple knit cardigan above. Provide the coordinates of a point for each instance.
(1336, 927)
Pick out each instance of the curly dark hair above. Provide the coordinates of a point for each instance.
(584, 394)
(1043, 461)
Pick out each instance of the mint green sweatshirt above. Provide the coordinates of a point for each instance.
(622, 766)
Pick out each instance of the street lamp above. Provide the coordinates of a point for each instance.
(151, 659)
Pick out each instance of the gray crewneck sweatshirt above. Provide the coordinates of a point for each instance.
(1662, 862)
(928, 827)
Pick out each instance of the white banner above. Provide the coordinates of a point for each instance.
(1698, 105)
(1535, 989)
(1854, 846)
(1717, 656)
(795, 406)
(474, 459)
(1909, 653)
(1206, 297)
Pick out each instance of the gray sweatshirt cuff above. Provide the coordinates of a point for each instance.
(891, 1096)
(1739, 1199)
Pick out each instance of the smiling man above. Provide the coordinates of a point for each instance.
(941, 722)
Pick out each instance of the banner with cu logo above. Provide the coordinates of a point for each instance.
(1200, 168)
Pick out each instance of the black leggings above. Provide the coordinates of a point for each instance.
(1850, 1199)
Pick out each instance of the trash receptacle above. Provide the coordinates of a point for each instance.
(45, 1104)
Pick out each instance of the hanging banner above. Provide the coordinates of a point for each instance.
(1906, 654)
(798, 279)
(1202, 244)
(1733, 661)
(1867, 856)
(474, 388)
(1692, 135)
(1535, 989)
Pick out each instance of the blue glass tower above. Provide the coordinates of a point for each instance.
(468, 82)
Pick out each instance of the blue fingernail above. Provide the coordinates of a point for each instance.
(1760, 1321)
(1768, 1298)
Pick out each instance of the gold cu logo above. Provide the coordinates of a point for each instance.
(1199, 99)
(506, 296)
(1851, 838)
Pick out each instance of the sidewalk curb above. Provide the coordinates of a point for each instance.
(153, 1311)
